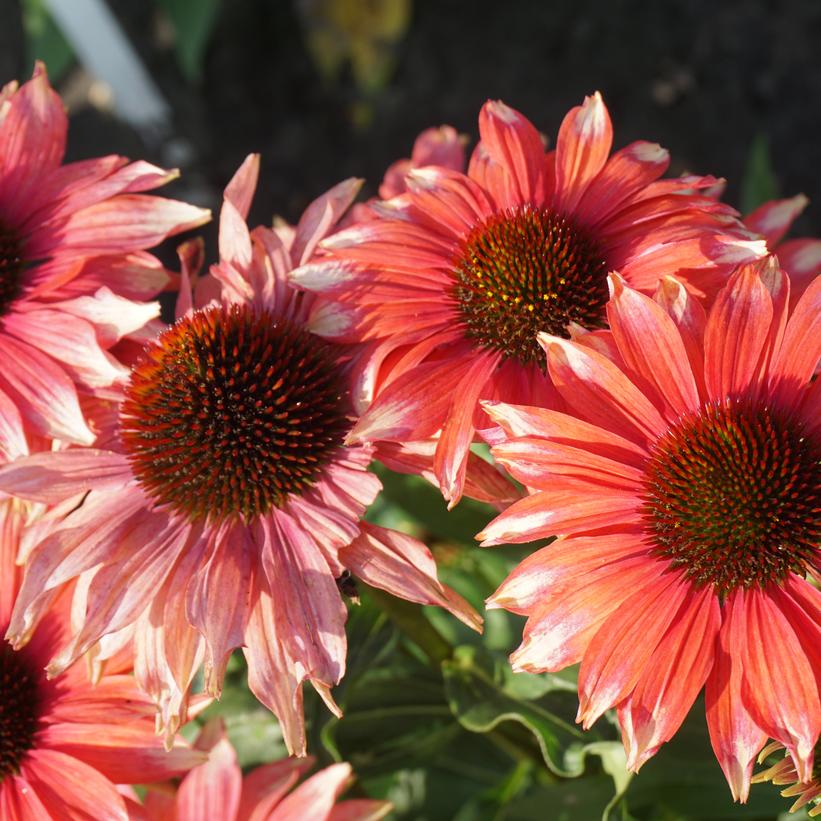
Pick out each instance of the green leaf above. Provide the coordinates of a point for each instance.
(45, 41)
(488, 697)
(193, 21)
(759, 183)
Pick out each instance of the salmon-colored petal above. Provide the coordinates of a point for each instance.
(315, 797)
(564, 429)
(773, 219)
(67, 785)
(619, 652)
(574, 507)
(69, 340)
(599, 392)
(512, 143)
(564, 563)
(241, 187)
(537, 463)
(264, 787)
(451, 457)
(734, 735)
(360, 809)
(124, 754)
(414, 406)
(311, 618)
(626, 173)
(561, 628)
(690, 318)
(404, 567)
(736, 332)
(19, 802)
(320, 216)
(224, 578)
(801, 259)
(51, 477)
(652, 347)
(47, 398)
(213, 789)
(672, 679)
(800, 351)
(272, 675)
(779, 687)
(584, 143)
(32, 132)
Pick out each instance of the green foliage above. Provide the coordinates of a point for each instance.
(759, 183)
(44, 40)
(193, 22)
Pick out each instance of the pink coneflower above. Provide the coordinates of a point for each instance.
(226, 505)
(782, 773)
(799, 258)
(686, 492)
(453, 281)
(72, 240)
(218, 790)
(65, 742)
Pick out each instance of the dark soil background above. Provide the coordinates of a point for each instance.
(701, 77)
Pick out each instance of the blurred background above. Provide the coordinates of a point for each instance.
(326, 89)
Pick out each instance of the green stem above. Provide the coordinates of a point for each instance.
(410, 619)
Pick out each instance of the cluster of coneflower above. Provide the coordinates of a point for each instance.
(640, 360)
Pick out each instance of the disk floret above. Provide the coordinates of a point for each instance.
(733, 495)
(525, 270)
(19, 708)
(11, 266)
(231, 410)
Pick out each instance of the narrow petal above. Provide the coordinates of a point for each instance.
(43, 391)
(311, 619)
(582, 148)
(672, 678)
(576, 508)
(405, 568)
(123, 754)
(33, 131)
(737, 329)
(320, 216)
(53, 476)
(66, 785)
(213, 789)
(774, 218)
(599, 392)
(226, 578)
(264, 787)
(800, 351)
(734, 735)
(451, 458)
(779, 687)
(621, 649)
(315, 797)
(512, 142)
(627, 172)
(272, 675)
(652, 347)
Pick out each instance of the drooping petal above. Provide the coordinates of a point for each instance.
(404, 567)
(672, 678)
(619, 652)
(734, 735)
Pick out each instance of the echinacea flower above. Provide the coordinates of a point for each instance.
(217, 789)
(684, 485)
(806, 793)
(800, 258)
(226, 505)
(451, 283)
(65, 742)
(72, 264)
